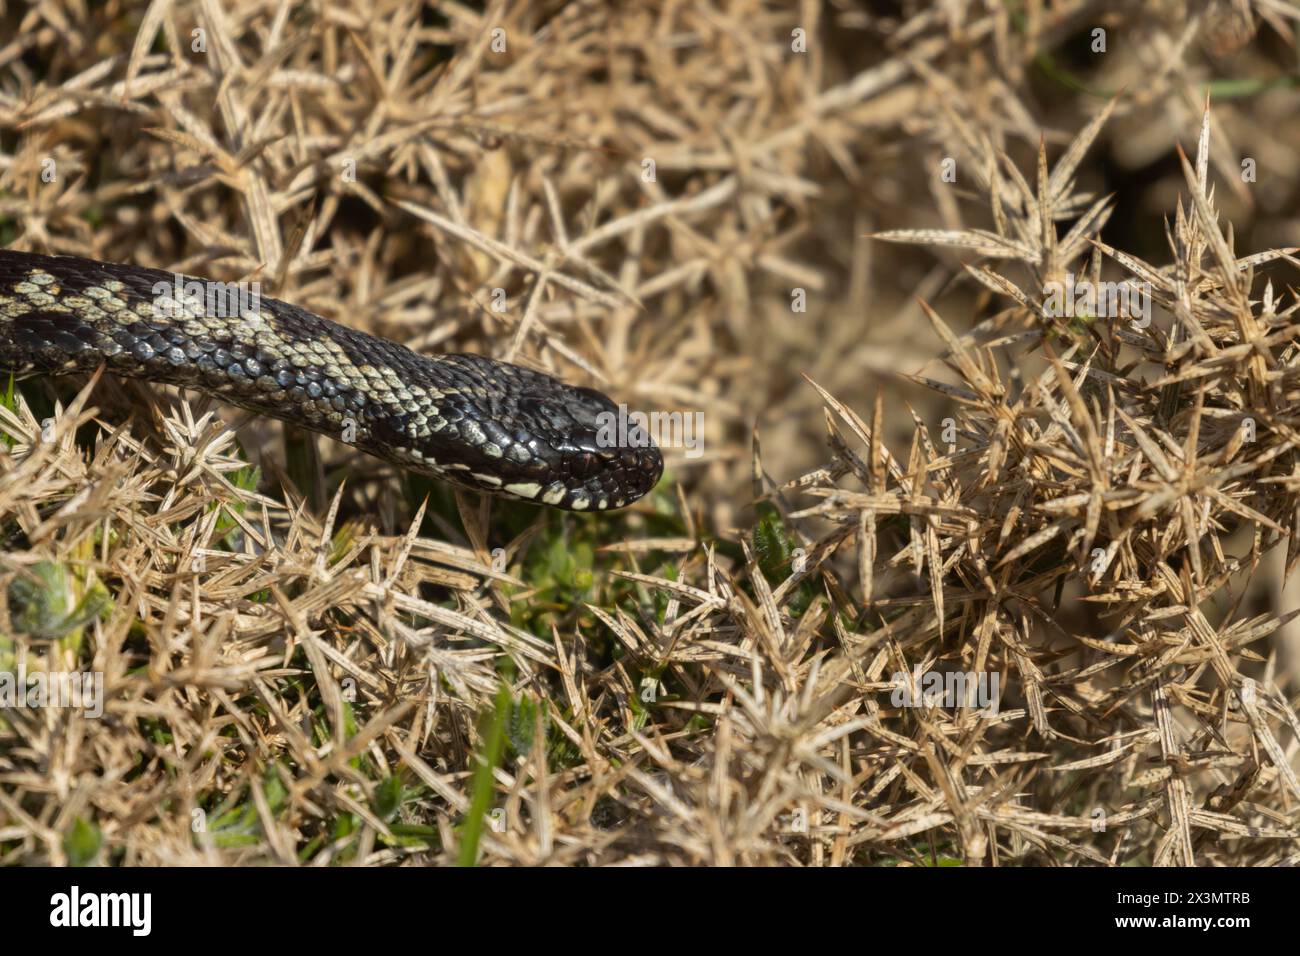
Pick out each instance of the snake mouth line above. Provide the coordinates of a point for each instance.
(476, 422)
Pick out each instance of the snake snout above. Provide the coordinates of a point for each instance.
(600, 478)
(608, 461)
(588, 453)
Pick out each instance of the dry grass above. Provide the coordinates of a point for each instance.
(304, 669)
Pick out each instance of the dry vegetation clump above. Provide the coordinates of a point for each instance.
(309, 658)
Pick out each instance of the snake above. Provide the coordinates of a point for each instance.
(476, 422)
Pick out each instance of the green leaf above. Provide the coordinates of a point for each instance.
(82, 842)
(774, 549)
(388, 798)
(523, 726)
(494, 738)
(50, 602)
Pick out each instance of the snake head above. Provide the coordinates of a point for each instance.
(608, 459)
(516, 432)
(590, 453)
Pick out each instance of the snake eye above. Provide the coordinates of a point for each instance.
(583, 464)
(597, 398)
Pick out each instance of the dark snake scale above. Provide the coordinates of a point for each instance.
(470, 420)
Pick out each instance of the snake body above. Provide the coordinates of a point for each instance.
(479, 423)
